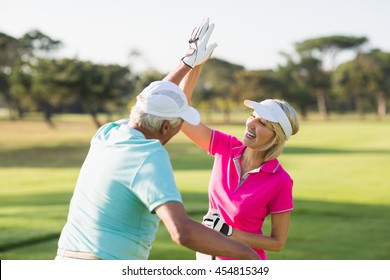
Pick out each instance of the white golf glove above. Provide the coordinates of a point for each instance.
(214, 220)
(198, 51)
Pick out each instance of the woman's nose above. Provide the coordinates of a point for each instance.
(250, 123)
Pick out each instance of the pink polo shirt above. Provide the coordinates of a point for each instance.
(245, 202)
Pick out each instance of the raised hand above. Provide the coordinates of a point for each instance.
(199, 50)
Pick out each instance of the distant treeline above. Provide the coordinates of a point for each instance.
(33, 79)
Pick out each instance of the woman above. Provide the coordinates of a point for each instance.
(247, 182)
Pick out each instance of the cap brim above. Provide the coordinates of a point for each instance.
(191, 116)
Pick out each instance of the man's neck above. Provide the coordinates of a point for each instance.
(146, 133)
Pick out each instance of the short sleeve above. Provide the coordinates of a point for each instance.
(222, 143)
(283, 199)
(154, 183)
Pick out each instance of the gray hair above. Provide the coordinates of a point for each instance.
(150, 122)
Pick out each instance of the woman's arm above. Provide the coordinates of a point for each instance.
(275, 242)
(188, 83)
(177, 74)
(199, 134)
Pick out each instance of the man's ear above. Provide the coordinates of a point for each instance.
(165, 127)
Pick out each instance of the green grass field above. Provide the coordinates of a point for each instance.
(341, 170)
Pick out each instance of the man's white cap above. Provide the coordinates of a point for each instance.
(271, 111)
(166, 99)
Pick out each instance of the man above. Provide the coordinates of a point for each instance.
(126, 184)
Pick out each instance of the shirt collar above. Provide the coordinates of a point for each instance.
(270, 166)
(132, 131)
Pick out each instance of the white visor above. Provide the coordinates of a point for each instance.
(271, 111)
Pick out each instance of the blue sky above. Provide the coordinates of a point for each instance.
(248, 32)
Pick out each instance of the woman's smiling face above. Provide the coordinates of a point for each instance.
(257, 133)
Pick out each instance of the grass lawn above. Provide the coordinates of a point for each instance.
(340, 169)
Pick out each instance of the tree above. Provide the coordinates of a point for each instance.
(302, 80)
(99, 88)
(326, 49)
(8, 56)
(40, 86)
(28, 69)
(37, 44)
(214, 90)
(48, 84)
(350, 84)
(257, 85)
(365, 78)
(20, 87)
(8, 50)
(381, 87)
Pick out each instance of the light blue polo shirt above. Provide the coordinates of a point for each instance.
(123, 179)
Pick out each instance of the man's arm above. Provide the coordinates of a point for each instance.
(177, 75)
(197, 237)
(275, 242)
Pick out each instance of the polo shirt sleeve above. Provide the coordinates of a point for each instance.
(154, 183)
(282, 201)
(221, 143)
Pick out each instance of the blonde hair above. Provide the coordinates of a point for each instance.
(277, 145)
